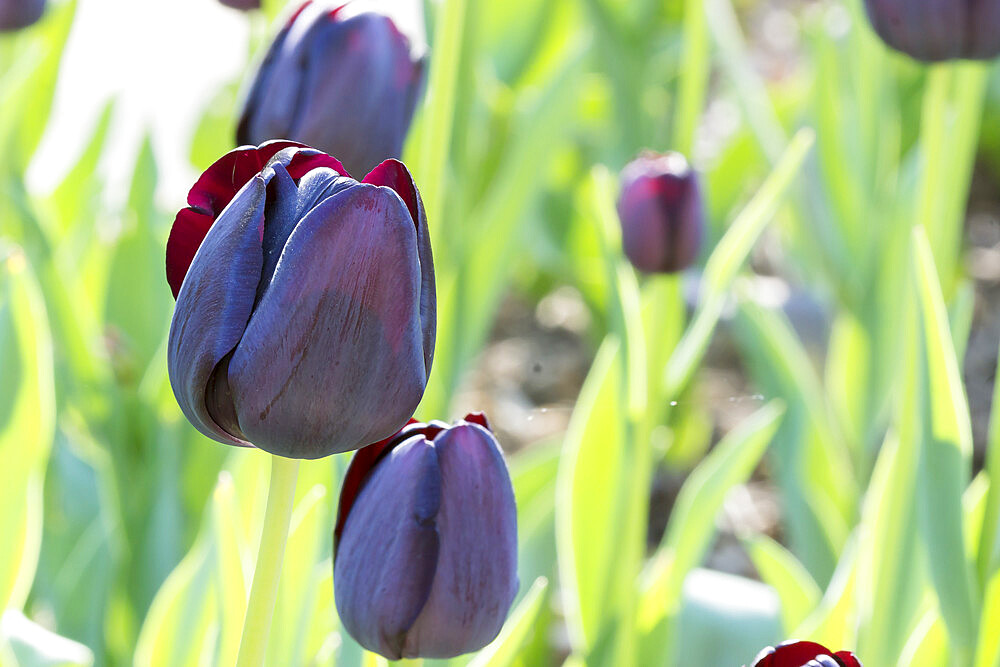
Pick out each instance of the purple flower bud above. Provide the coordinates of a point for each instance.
(804, 654)
(305, 315)
(345, 81)
(243, 5)
(425, 547)
(661, 213)
(17, 14)
(932, 30)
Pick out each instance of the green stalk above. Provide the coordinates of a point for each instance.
(277, 515)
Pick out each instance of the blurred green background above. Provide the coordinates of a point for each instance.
(792, 439)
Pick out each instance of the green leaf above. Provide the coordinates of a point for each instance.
(692, 521)
(797, 590)
(988, 648)
(946, 459)
(726, 260)
(27, 423)
(589, 497)
(503, 651)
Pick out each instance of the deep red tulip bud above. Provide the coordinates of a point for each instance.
(17, 14)
(804, 654)
(425, 546)
(344, 80)
(305, 317)
(932, 30)
(661, 213)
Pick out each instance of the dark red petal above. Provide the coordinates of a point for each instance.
(791, 654)
(188, 231)
(357, 474)
(478, 418)
(848, 658)
(210, 194)
(393, 174)
(303, 163)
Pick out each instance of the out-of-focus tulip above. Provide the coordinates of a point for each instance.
(661, 213)
(17, 14)
(344, 80)
(804, 654)
(244, 5)
(425, 544)
(932, 30)
(305, 314)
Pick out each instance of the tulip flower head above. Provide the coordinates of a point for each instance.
(17, 14)
(933, 30)
(660, 210)
(804, 654)
(344, 80)
(305, 316)
(425, 546)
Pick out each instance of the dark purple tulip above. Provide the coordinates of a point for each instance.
(804, 654)
(342, 81)
(661, 213)
(305, 314)
(932, 30)
(244, 5)
(17, 14)
(425, 547)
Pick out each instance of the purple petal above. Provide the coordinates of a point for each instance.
(332, 358)
(388, 553)
(214, 305)
(476, 577)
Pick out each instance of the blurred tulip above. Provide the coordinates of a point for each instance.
(804, 654)
(425, 546)
(244, 5)
(343, 80)
(932, 30)
(17, 14)
(661, 214)
(305, 314)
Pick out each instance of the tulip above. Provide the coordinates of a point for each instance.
(305, 314)
(804, 654)
(17, 14)
(932, 30)
(345, 81)
(425, 546)
(660, 210)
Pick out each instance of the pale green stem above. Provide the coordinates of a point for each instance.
(277, 515)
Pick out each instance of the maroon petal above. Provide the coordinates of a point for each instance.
(848, 658)
(393, 174)
(305, 161)
(208, 197)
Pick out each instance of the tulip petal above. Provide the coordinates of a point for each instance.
(214, 305)
(476, 577)
(340, 312)
(393, 174)
(388, 557)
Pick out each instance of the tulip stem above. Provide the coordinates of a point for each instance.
(277, 516)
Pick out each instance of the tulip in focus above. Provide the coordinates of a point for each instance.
(660, 210)
(344, 80)
(305, 314)
(17, 14)
(933, 30)
(425, 547)
(804, 654)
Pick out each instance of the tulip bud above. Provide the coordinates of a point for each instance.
(17, 14)
(932, 30)
(425, 546)
(804, 654)
(305, 314)
(345, 81)
(660, 212)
